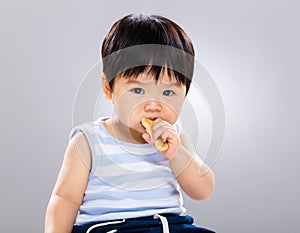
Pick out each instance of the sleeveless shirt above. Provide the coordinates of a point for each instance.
(126, 180)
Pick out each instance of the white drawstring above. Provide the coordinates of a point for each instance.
(104, 224)
(164, 222)
(112, 231)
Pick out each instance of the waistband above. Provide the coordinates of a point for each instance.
(157, 223)
(157, 220)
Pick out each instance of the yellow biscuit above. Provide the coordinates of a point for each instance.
(159, 144)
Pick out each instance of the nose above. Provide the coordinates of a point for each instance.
(153, 106)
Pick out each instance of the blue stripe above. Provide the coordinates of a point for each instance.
(141, 177)
(105, 141)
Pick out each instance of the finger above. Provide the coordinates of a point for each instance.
(158, 132)
(147, 137)
(157, 123)
(169, 134)
(164, 130)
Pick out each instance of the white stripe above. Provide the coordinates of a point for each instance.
(131, 203)
(117, 148)
(147, 184)
(92, 189)
(131, 168)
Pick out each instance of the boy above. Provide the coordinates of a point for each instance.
(113, 178)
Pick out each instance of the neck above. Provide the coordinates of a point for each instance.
(121, 132)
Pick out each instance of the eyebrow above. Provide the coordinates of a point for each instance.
(134, 81)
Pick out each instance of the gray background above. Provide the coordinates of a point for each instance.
(251, 48)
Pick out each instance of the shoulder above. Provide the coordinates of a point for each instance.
(79, 145)
(73, 176)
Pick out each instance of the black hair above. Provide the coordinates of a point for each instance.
(141, 29)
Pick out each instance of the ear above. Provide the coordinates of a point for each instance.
(106, 88)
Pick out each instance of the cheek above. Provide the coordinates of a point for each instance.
(171, 115)
(126, 110)
(121, 107)
(172, 111)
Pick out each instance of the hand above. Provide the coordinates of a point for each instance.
(167, 133)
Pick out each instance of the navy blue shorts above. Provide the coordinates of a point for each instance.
(176, 224)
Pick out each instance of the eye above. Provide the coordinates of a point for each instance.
(138, 91)
(168, 93)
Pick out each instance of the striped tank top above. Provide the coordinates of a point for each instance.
(126, 180)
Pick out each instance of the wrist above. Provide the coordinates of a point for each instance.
(180, 161)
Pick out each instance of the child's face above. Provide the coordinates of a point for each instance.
(135, 98)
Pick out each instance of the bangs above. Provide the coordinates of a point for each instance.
(156, 72)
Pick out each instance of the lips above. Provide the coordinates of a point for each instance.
(152, 118)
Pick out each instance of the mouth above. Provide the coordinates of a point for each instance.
(150, 118)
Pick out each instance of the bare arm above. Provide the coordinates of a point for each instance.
(70, 186)
(194, 176)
